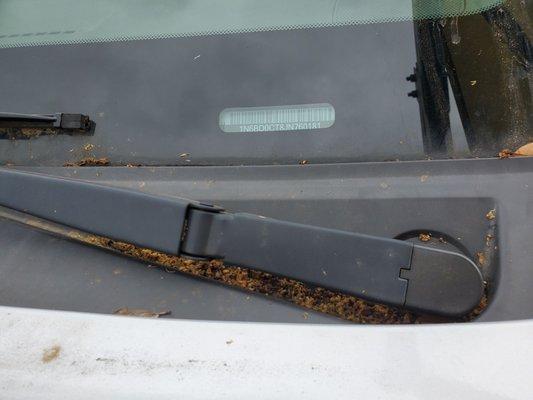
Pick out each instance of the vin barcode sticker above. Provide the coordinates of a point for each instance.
(277, 118)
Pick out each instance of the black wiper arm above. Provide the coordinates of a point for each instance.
(379, 269)
(58, 120)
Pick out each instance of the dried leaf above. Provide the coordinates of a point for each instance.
(526, 150)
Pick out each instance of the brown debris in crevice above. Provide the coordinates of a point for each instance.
(424, 237)
(89, 162)
(491, 214)
(322, 300)
(505, 153)
(25, 133)
(481, 259)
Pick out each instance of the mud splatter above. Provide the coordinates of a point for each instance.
(51, 354)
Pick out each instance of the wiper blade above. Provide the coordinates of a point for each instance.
(4, 116)
(57, 120)
(378, 269)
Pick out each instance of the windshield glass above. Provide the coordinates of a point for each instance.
(62, 21)
(209, 82)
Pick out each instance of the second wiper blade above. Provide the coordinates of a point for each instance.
(378, 269)
(57, 120)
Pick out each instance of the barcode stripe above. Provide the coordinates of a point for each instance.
(277, 118)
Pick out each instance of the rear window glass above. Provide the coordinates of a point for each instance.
(208, 82)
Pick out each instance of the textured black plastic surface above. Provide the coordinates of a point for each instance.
(442, 280)
(348, 262)
(149, 221)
